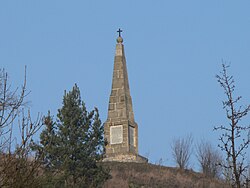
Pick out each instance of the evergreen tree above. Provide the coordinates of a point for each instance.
(72, 146)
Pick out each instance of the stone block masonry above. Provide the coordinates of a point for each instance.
(120, 129)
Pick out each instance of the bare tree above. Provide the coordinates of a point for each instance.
(181, 151)
(247, 177)
(235, 138)
(209, 158)
(227, 172)
(18, 168)
(10, 100)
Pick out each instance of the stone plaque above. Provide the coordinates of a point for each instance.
(132, 136)
(116, 136)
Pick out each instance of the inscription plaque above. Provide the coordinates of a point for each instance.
(116, 134)
(132, 136)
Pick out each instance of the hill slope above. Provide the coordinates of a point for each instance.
(137, 175)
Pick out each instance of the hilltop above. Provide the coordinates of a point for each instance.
(145, 175)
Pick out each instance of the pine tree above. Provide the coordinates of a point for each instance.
(72, 146)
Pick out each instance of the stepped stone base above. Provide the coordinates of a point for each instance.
(126, 158)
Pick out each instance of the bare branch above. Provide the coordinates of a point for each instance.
(181, 151)
(232, 139)
(209, 159)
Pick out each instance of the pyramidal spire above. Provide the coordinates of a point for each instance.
(120, 101)
(120, 129)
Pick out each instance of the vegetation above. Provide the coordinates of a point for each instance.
(71, 146)
(69, 149)
(235, 137)
(208, 159)
(18, 168)
(138, 175)
(181, 151)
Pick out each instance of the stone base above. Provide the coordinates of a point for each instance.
(126, 158)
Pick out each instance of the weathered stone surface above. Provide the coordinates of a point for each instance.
(116, 134)
(127, 158)
(120, 129)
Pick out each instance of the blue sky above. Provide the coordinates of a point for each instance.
(174, 49)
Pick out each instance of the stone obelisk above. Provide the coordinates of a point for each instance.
(120, 129)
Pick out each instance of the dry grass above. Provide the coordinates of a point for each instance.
(135, 175)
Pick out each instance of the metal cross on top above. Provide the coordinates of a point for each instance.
(119, 31)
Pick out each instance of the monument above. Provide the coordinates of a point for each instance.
(120, 129)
